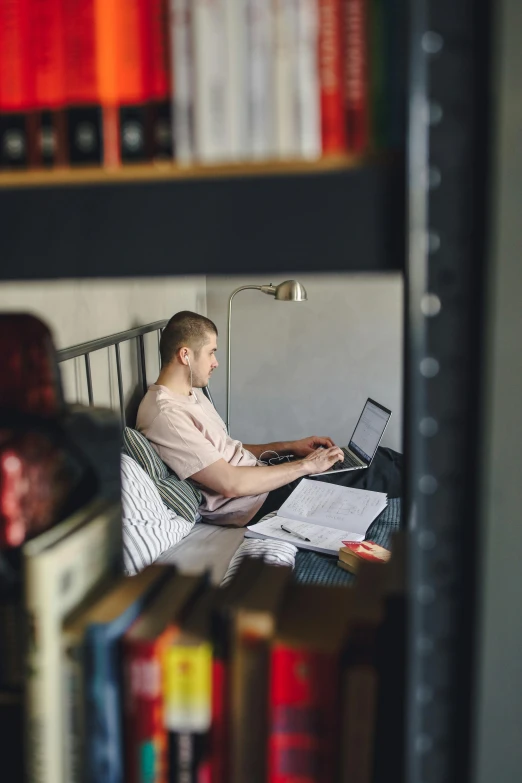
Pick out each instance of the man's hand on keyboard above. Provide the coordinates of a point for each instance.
(306, 446)
(322, 459)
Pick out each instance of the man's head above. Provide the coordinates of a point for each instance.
(190, 340)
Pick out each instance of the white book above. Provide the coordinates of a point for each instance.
(261, 75)
(285, 77)
(308, 82)
(320, 516)
(60, 568)
(236, 97)
(211, 115)
(183, 80)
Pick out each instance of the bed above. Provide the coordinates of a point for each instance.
(198, 546)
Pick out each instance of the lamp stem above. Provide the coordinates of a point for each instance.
(232, 295)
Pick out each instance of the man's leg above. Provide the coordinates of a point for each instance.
(383, 475)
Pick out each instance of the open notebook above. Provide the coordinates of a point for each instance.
(325, 514)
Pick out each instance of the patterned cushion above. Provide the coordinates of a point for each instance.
(149, 527)
(180, 496)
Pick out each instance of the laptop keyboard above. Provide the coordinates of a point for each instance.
(348, 462)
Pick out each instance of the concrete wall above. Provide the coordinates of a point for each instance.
(78, 311)
(307, 368)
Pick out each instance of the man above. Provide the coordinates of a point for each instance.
(191, 438)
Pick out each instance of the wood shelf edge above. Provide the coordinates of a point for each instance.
(154, 172)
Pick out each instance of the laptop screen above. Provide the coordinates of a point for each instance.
(369, 430)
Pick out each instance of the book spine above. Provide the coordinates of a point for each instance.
(133, 18)
(87, 558)
(17, 120)
(188, 711)
(73, 701)
(47, 42)
(302, 716)
(308, 89)
(219, 726)
(333, 129)
(378, 38)
(356, 86)
(83, 105)
(239, 56)
(260, 92)
(359, 700)
(108, 42)
(211, 118)
(182, 84)
(159, 77)
(286, 115)
(145, 734)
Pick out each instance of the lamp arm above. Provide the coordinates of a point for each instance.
(232, 295)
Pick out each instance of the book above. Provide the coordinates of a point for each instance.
(18, 126)
(144, 646)
(333, 127)
(356, 81)
(92, 635)
(351, 554)
(360, 674)
(158, 77)
(308, 89)
(61, 566)
(324, 514)
(189, 702)
(211, 118)
(260, 99)
(131, 48)
(285, 70)
(47, 42)
(254, 616)
(82, 88)
(305, 678)
(182, 68)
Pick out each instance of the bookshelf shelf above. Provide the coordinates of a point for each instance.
(165, 171)
(334, 215)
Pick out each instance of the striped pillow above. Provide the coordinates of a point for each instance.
(180, 496)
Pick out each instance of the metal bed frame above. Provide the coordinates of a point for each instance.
(114, 341)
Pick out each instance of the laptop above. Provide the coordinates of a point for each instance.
(366, 437)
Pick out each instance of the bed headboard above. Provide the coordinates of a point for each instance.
(114, 341)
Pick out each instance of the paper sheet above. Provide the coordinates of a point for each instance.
(338, 507)
(322, 539)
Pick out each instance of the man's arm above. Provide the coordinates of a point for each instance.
(236, 481)
(299, 448)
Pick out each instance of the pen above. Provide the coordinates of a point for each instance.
(294, 533)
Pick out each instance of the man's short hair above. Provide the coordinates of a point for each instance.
(185, 328)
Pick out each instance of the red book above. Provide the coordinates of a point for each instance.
(356, 93)
(159, 77)
(303, 698)
(219, 728)
(17, 120)
(333, 127)
(82, 86)
(47, 44)
(304, 686)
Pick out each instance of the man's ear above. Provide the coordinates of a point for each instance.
(183, 355)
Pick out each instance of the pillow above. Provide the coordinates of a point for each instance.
(180, 496)
(149, 528)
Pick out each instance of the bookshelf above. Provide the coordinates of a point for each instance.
(347, 217)
(256, 217)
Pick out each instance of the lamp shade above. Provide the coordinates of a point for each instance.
(289, 291)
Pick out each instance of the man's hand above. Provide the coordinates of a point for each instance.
(306, 446)
(321, 459)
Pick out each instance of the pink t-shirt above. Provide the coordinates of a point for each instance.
(189, 435)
